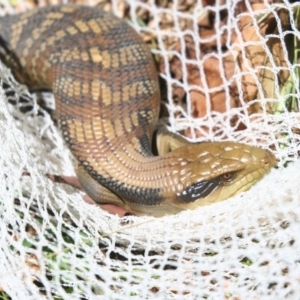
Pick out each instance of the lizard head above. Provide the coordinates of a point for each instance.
(212, 172)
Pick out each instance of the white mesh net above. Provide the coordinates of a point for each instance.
(56, 246)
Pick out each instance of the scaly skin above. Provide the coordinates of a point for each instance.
(107, 104)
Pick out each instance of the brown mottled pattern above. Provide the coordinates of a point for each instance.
(107, 99)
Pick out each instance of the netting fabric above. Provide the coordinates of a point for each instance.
(56, 246)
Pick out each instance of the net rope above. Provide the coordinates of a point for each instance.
(56, 246)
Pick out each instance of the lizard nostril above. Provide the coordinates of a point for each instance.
(269, 160)
(266, 162)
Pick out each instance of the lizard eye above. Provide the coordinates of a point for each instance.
(227, 177)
